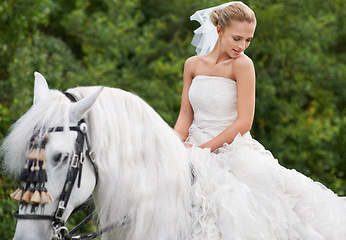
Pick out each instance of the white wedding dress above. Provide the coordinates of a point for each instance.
(240, 191)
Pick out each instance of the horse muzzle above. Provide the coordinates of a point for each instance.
(32, 230)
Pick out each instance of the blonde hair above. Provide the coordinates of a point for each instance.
(236, 11)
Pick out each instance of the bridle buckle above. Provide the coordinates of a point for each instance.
(91, 155)
(75, 159)
(60, 210)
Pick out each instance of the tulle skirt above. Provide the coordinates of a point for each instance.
(241, 192)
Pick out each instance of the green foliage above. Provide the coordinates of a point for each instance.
(300, 94)
(7, 206)
(141, 45)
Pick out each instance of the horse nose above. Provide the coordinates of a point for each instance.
(33, 230)
(30, 237)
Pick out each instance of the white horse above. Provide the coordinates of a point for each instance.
(143, 168)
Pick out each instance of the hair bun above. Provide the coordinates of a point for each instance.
(214, 17)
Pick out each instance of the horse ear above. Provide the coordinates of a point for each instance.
(79, 108)
(41, 89)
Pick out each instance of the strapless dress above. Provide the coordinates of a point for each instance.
(241, 191)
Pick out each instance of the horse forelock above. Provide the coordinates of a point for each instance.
(50, 112)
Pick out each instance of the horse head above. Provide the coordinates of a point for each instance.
(59, 172)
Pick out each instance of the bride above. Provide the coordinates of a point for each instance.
(241, 192)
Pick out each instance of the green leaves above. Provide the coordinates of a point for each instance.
(300, 92)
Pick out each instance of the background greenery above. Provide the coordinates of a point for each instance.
(141, 45)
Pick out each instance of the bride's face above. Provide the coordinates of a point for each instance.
(236, 38)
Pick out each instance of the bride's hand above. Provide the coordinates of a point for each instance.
(188, 145)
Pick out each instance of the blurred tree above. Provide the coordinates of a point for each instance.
(300, 110)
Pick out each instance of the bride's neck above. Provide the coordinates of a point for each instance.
(218, 55)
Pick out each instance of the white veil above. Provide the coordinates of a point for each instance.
(206, 35)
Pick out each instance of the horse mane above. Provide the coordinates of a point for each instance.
(144, 171)
(143, 168)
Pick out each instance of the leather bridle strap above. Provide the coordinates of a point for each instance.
(32, 216)
(89, 236)
(75, 169)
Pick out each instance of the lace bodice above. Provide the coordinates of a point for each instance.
(214, 102)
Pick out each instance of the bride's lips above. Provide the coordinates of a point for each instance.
(236, 52)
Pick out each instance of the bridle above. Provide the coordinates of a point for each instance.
(74, 171)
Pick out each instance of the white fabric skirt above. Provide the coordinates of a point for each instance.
(241, 192)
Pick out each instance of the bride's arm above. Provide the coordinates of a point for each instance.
(244, 73)
(185, 117)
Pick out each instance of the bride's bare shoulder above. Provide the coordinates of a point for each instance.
(243, 61)
(193, 60)
(191, 64)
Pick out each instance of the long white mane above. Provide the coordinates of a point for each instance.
(144, 172)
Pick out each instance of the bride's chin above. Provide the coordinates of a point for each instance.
(236, 55)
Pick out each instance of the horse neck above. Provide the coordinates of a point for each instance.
(144, 173)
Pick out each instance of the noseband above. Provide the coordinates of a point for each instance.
(75, 170)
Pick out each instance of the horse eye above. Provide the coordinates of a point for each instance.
(57, 158)
(60, 157)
